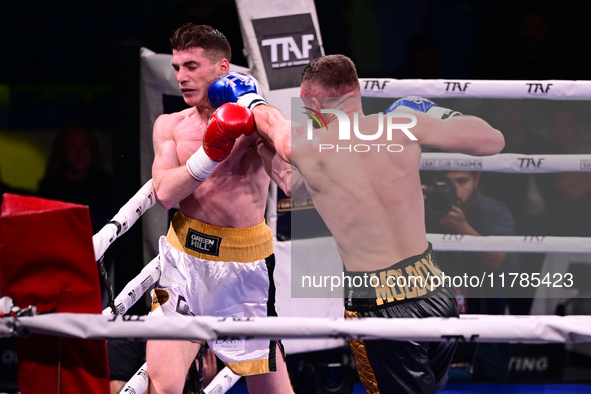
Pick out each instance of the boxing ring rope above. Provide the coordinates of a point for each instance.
(464, 88)
(143, 200)
(476, 328)
(506, 163)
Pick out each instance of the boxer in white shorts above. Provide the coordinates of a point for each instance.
(208, 163)
(217, 271)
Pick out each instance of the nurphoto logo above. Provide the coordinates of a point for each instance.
(344, 130)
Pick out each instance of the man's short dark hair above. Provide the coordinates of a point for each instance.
(214, 43)
(336, 74)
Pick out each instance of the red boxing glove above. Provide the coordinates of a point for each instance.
(226, 124)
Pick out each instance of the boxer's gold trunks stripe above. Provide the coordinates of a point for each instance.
(213, 243)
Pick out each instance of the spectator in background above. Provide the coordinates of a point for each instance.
(75, 174)
(568, 132)
(477, 215)
(568, 197)
(519, 191)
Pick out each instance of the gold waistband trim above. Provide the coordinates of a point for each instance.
(247, 368)
(209, 242)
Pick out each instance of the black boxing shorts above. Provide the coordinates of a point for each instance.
(401, 366)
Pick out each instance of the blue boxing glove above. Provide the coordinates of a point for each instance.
(419, 104)
(234, 87)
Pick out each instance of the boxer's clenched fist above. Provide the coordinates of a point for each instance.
(419, 104)
(225, 125)
(234, 87)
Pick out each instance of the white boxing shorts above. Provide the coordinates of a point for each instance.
(219, 271)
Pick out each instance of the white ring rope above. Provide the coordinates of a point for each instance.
(222, 382)
(509, 243)
(478, 328)
(138, 382)
(136, 288)
(463, 88)
(143, 200)
(506, 162)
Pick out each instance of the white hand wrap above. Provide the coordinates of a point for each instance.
(442, 113)
(251, 100)
(435, 111)
(200, 166)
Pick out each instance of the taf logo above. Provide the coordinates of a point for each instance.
(287, 44)
(452, 237)
(526, 162)
(537, 239)
(538, 88)
(456, 87)
(375, 85)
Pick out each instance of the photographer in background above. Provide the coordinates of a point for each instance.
(457, 207)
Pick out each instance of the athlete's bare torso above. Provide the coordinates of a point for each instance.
(235, 194)
(371, 201)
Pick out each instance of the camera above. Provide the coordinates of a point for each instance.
(439, 199)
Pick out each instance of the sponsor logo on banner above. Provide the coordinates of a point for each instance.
(586, 165)
(203, 243)
(374, 85)
(537, 89)
(530, 162)
(531, 364)
(533, 239)
(452, 238)
(452, 164)
(287, 44)
(456, 87)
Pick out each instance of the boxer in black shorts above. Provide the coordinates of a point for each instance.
(365, 185)
(402, 366)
